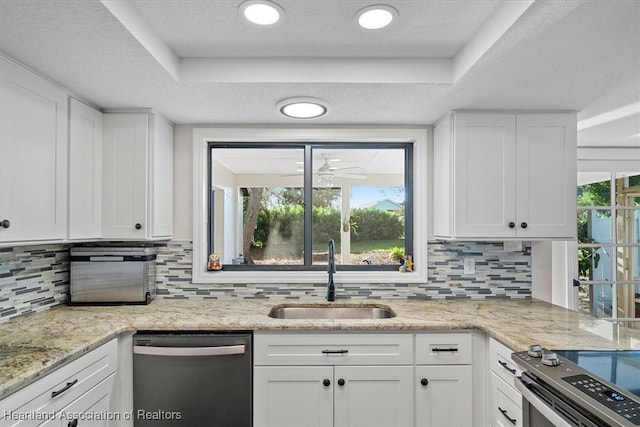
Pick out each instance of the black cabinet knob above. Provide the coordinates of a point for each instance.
(138, 226)
(512, 224)
(340, 382)
(5, 223)
(424, 381)
(326, 383)
(524, 225)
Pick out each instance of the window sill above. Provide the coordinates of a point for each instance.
(293, 277)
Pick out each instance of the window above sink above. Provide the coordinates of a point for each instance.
(342, 173)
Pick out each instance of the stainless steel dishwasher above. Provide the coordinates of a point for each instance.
(192, 379)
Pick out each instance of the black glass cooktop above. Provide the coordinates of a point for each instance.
(621, 368)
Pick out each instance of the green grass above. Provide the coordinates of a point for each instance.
(360, 246)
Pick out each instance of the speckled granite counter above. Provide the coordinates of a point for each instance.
(33, 345)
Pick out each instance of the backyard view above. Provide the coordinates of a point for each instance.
(372, 233)
(609, 244)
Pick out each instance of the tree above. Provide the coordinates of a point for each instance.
(254, 203)
(282, 196)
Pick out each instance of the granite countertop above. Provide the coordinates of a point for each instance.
(33, 345)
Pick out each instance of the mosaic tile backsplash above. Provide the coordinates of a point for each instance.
(34, 278)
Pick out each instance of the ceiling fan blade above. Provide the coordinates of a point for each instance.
(350, 175)
(334, 169)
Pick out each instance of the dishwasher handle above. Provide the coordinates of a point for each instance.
(226, 350)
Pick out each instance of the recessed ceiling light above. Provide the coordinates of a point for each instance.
(376, 17)
(303, 108)
(261, 12)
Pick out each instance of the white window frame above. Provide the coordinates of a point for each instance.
(201, 138)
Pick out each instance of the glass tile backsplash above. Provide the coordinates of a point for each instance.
(34, 278)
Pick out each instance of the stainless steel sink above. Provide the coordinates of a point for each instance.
(331, 312)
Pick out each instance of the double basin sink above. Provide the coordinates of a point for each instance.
(307, 311)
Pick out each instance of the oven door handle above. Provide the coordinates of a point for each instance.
(541, 406)
(189, 351)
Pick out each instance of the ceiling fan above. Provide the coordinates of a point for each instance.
(328, 170)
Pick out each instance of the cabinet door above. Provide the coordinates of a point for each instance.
(446, 399)
(546, 175)
(125, 176)
(85, 171)
(293, 396)
(373, 396)
(484, 177)
(94, 408)
(505, 404)
(162, 179)
(33, 156)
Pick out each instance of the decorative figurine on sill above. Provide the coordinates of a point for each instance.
(214, 262)
(407, 265)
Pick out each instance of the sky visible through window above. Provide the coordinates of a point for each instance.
(362, 196)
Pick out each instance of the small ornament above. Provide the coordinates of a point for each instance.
(407, 265)
(214, 262)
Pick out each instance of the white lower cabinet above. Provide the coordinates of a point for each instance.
(444, 380)
(363, 379)
(336, 390)
(306, 396)
(443, 396)
(80, 393)
(505, 402)
(293, 396)
(375, 396)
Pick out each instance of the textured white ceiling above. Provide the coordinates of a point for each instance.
(555, 54)
(434, 29)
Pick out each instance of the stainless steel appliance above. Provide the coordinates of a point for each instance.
(192, 379)
(583, 388)
(112, 275)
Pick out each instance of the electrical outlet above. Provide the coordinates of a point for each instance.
(469, 266)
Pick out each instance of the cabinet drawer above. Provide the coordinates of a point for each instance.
(59, 388)
(500, 361)
(443, 349)
(505, 403)
(333, 349)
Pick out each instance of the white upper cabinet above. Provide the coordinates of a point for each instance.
(33, 157)
(505, 176)
(162, 179)
(138, 172)
(85, 171)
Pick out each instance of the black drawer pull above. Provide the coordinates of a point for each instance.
(63, 389)
(504, 412)
(343, 351)
(505, 366)
(450, 349)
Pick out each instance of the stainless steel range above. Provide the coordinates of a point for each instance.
(579, 387)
